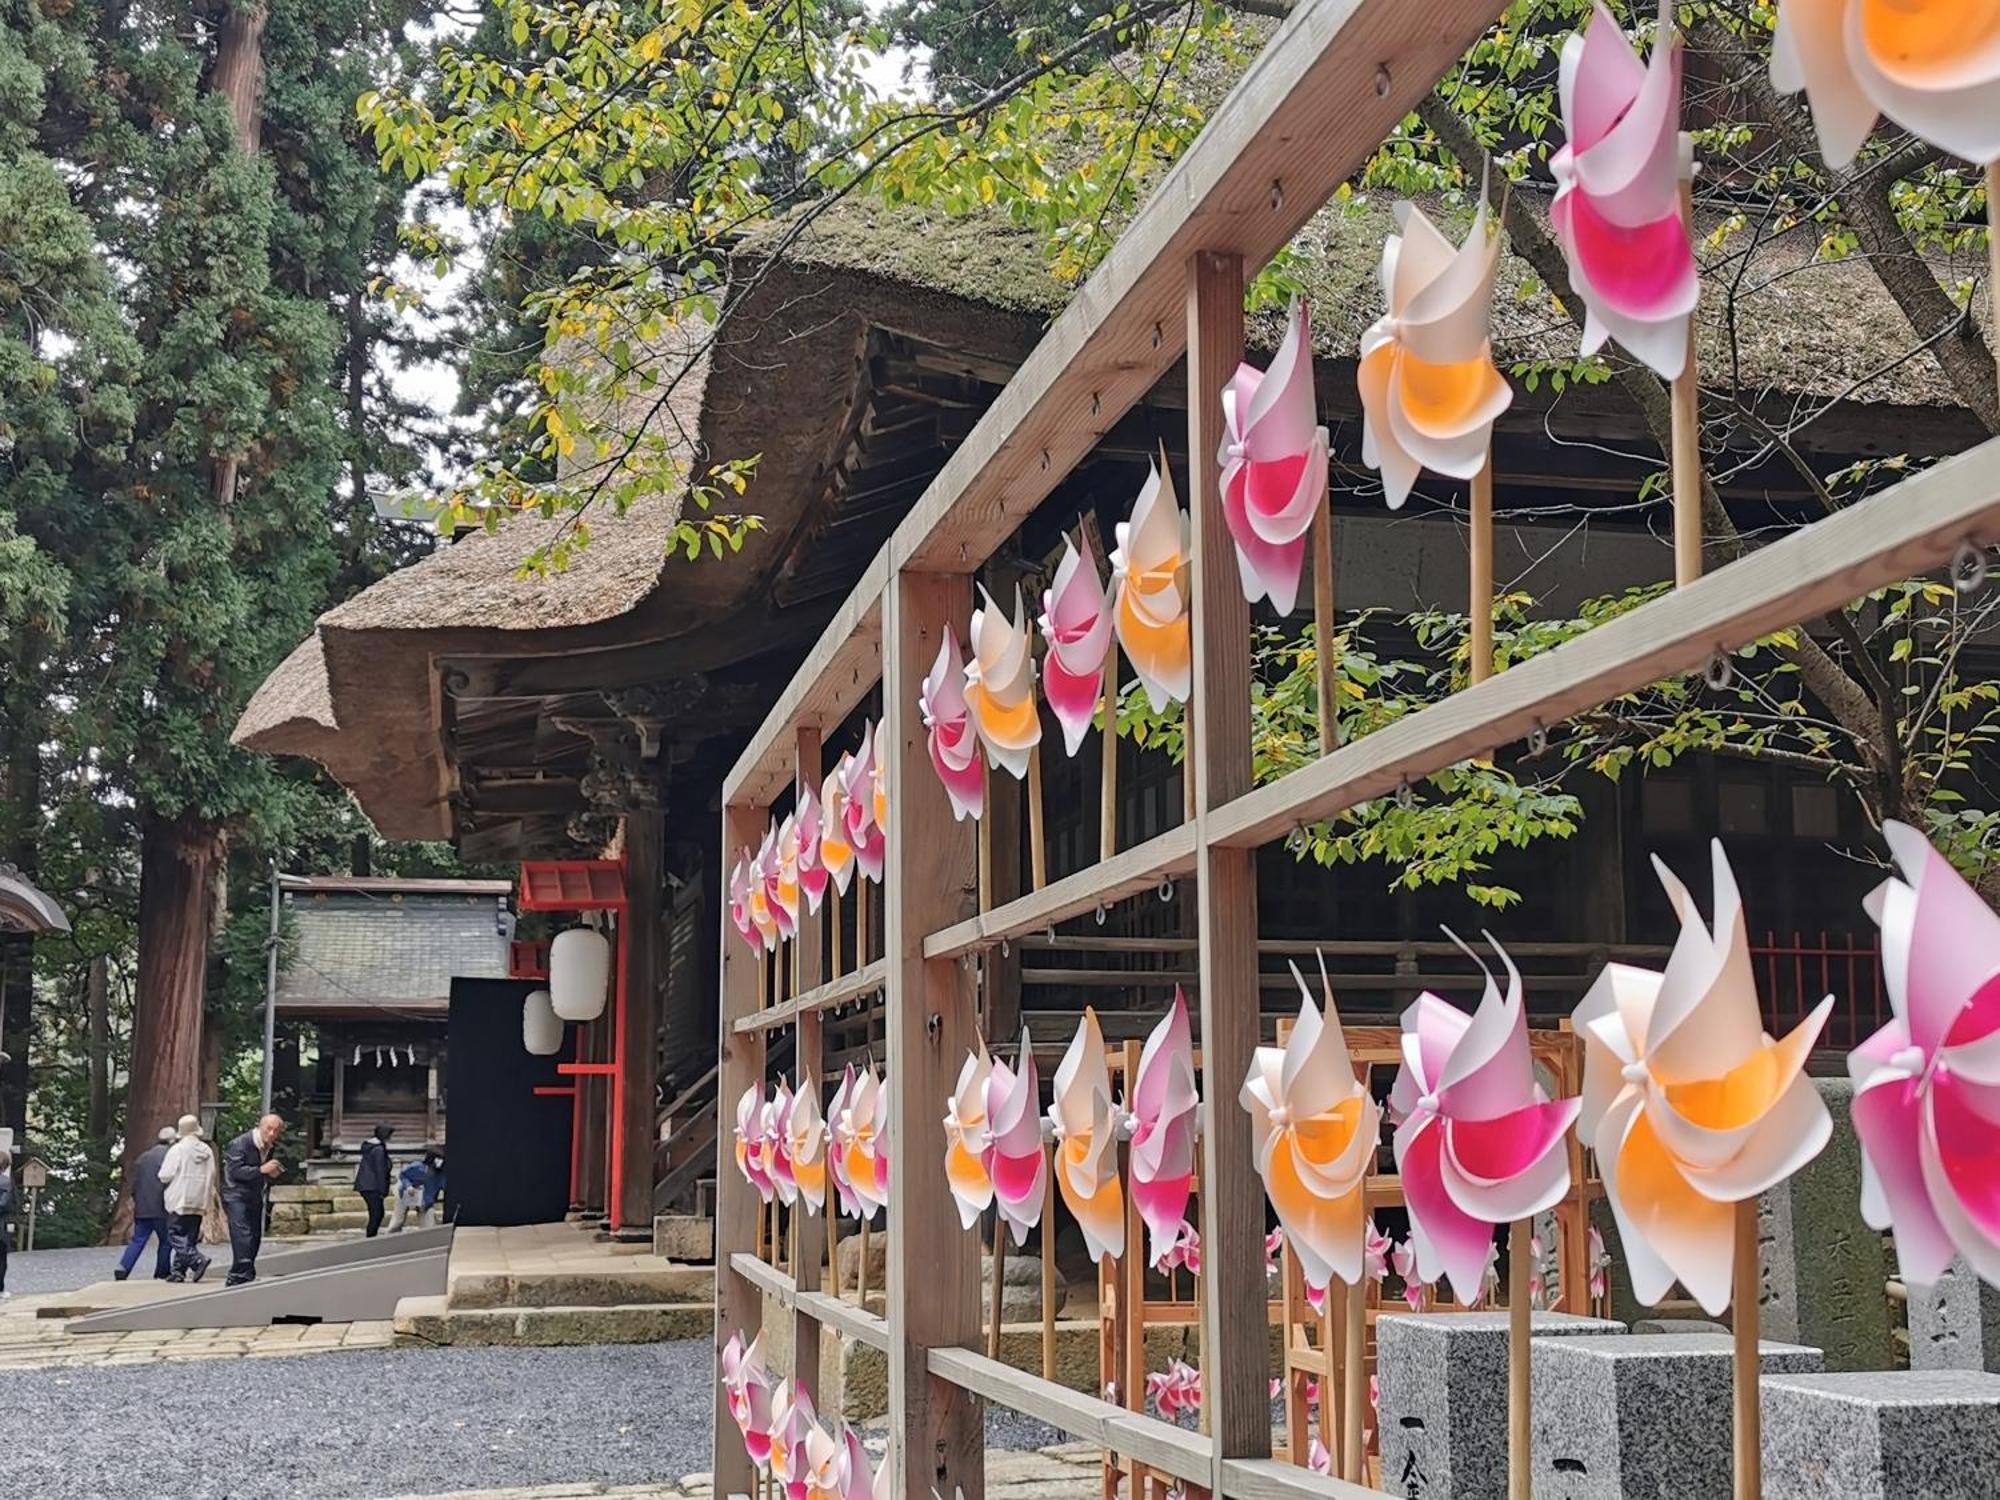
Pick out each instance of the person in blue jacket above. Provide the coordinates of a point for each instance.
(418, 1188)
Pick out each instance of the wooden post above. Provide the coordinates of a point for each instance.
(1324, 664)
(936, 1432)
(809, 1230)
(1479, 606)
(1107, 792)
(1520, 1328)
(739, 1305)
(1686, 458)
(986, 837)
(997, 1292)
(1749, 1437)
(1236, 1376)
(1048, 1243)
(1038, 845)
(1354, 1385)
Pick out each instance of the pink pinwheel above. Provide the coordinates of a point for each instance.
(793, 1426)
(967, 1139)
(1000, 685)
(739, 899)
(1317, 1458)
(1183, 1252)
(1927, 1085)
(811, 865)
(954, 745)
(1617, 209)
(858, 783)
(1163, 1106)
(763, 875)
(1404, 1259)
(777, 1146)
(1175, 1390)
(750, 1388)
(1478, 1142)
(1600, 1265)
(1014, 1160)
(752, 1155)
(1375, 1253)
(1076, 623)
(1274, 466)
(785, 895)
(836, 1153)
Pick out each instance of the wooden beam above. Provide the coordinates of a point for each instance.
(834, 993)
(937, 1434)
(823, 1308)
(1270, 1479)
(810, 1228)
(1900, 533)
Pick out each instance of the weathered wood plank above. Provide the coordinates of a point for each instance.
(1270, 1479)
(823, 1308)
(809, 1244)
(865, 980)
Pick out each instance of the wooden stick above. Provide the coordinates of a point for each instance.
(1298, 1442)
(1354, 1357)
(985, 839)
(861, 933)
(861, 1275)
(1749, 1365)
(1324, 662)
(833, 1240)
(1520, 1327)
(997, 1290)
(1107, 802)
(1049, 1268)
(834, 924)
(1687, 445)
(1993, 259)
(1480, 604)
(1038, 847)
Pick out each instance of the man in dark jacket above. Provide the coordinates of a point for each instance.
(247, 1169)
(149, 1211)
(371, 1177)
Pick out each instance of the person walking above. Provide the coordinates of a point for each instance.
(187, 1173)
(149, 1211)
(6, 1217)
(371, 1177)
(247, 1169)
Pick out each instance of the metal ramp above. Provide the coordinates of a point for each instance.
(350, 1281)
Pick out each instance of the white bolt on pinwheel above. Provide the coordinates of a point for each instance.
(1691, 1107)
(1314, 1129)
(1927, 1084)
(1148, 569)
(1000, 685)
(1932, 66)
(1086, 1131)
(953, 744)
(1274, 466)
(1478, 1142)
(805, 1146)
(1617, 208)
(1429, 391)
(1014, 1161)
(966, 1139)
(1165, 1109)
(835, 852)
(1076, 623)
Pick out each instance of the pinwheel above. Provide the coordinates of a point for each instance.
(860, 781)
(739, 899)
(835, 852)
(878, 786)
(845, 1200)
(1617, 210)
(1076, 623)
(862, 1482)
(1183, 1252)
(1175, 1390)
(1932, 66)
(1000, 685)
(954, 745)
(1163, 1104)
(775, 1142)
(805, 1146)
(1927, 1084)
(763, 875)
(1403, 1258)
(812, 871)
(1086, 1129)
(785, 878)
(1274, 466)
(750, 1390)
(1148, 568)
(860, 1115)
(1429, 392)
(794, 1424)
(1314, 1129)
(967, 1138)
(1478, 1142)
(1689, 1105)
(752, 1158)
(1014, 1160)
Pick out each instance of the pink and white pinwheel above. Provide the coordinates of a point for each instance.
(776, 1143)
(967, 1138)
(811, 865)
(763, 878)
(793, 1426)
(1617, 208)
(750, 1389)
(1149, 572)
(858, 1126)
(1076, 623)
(1403, 1257)
(785, 889)
(1274, 466)
(1000, 685)
(805, 1147)
(1689, 1104)
(1429, 391)
(1927, 1084)
(1183, 1252)
(835, 852)
(954, 745)
(1014, 1160)
(739, 899)
(1175, 1390)
(1086, 1129)
(1932, 66)
(1478, 1142)
(1375, 1253)
(844, 1199)
(1164, 1108)
(1600, 1266)
(752, 1151)
(1314, 1129)
(860, 784)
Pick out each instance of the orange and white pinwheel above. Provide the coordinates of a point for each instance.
(739, 899)
(812, 872)
(1314, 1129)
(794, 1425)
(1076, 623)
(862, 783)
(1429, 391)
(1086, 1130)
(966, 1139)
(1690, 1105)
(953, 743)
(1274, 465)
(751, 1390)
(1000, 685)
(1932, 66)
(1164, 1107)
(1014, 1161)
(835, 852)
(1149, 572)
(805, 1146)
(859, 1128)
(763, 880)
(785, 892)
(752, 1153)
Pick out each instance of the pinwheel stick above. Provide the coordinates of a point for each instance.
(986, 839)
(1049, 1267)
(1749, 1366)
(1520, 1466)
(861, 1277)
(1354, 1385)
(1686, 459)
(1324, 659)
(1038, 847)
(1480, 605)
(833, 926)
(996, 1289)
(1107, 806)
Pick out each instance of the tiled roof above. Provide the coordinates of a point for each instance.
(372, 952)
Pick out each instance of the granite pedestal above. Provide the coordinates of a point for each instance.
(1443, 1385)
(1955, 1325)
(1894, 1435)
(1642, 1416)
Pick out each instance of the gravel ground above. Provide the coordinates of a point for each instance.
(65, 1270)
(369, 1424)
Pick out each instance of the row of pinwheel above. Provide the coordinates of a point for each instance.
(784, 1438)
(789, 1153)
(823, 842)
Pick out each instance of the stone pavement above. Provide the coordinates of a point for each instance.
(28, 1342)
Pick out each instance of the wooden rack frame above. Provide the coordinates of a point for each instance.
(1334, 80)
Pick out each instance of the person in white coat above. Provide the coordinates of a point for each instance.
(188, 1172)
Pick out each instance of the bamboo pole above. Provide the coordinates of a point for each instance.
(860, 921)
(861, 1272)
(1520, 1327)
(997, 1292)
(833, 1239)
(833, 924)
(1686, 458)
(1354, 1386)
(1107, 801)
(1480, 605)
(1049, 1268)
(1324, 663)
(1038, 847)
(985, 838)
(1749, 1416)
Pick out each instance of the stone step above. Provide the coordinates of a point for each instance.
(662, 1286)
(431, 1320)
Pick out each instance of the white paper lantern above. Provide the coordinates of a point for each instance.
(579, 970)
(541, 1027)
